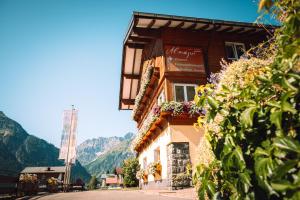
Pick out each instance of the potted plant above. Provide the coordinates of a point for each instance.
(142, 174)
(52, 184)
(28, 184)
(154, 168)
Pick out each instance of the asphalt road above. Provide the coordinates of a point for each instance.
(108, 195)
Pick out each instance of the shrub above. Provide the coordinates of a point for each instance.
(253, 123)
(93, 183)
(130, 168)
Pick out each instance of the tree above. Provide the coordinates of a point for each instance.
(130, 167)
(93, 183)
(253, 124)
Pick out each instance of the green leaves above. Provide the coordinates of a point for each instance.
(284, 168)
(275, 118)
(253, 124)
(286, 84)
(286, 106)
(205, 177)
(287, 144)
(130, 167)
(212, 102)
(283, 186)
(264, 167)
(247, 116)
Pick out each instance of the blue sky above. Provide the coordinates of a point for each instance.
(55, 53)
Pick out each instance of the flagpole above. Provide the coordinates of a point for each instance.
(68, 168)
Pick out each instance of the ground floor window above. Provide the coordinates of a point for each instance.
(145, 163)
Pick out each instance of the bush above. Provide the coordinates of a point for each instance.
(130, 168)
(93, 183)
(253, 123)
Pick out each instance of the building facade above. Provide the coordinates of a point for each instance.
(164, 59)
(44, 173)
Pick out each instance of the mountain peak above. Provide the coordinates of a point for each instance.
(129, 135)
(2, 114)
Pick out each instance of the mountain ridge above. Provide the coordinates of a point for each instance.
(18, 150)
(102, 154)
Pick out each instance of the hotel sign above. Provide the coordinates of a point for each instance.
(182, 58)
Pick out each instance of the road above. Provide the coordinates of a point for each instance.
(112, 195)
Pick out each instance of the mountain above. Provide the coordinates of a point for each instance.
(100, 155)
(18, 150)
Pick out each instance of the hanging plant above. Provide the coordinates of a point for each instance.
(154, 167)
(146, 78)
(141, 173)
(173, 108)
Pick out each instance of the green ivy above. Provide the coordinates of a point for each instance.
(257, 121)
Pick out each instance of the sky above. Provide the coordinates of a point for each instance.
(55, 53)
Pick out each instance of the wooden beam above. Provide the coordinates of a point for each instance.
(135, 45)
(204, 27)
(139, 39)
(136, 21)
(216, 27)
(227, 29)
(131, 76)
(132, 71)
(167, 24)
(237, 30)
(249, 31)
(151, 23)
(191, 26)
(128, 101)
(146, 33)
(257, 32)
(180, 25)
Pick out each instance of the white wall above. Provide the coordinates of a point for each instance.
(187, 133)
(161, 141)
(173, 133)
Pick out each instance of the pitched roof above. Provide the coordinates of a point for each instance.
(37, 170)
(111, 180)
(103, 176)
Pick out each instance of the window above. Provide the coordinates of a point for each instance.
(161, 98)
(234, 50)
(184, 92)
(157, 154)
(145, 163)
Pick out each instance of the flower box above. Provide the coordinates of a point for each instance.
(145, 178)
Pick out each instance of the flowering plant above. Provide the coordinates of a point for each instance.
(52, 181)
(174, 108)
(154, 167)
(141, 173)
(252, 120)
(178, 108)
(28, 178)
(144, 84)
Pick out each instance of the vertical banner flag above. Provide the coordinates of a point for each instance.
(68, 138)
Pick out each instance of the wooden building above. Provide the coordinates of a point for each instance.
(164, 59)
(44, 173)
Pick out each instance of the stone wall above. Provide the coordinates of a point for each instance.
(178, 158)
